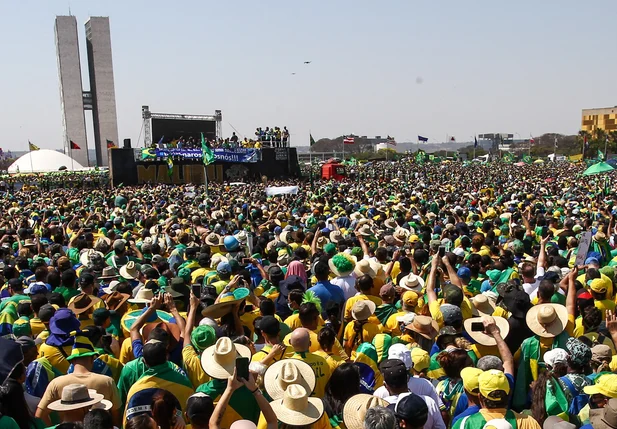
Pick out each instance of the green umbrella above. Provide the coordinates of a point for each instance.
(600, 167)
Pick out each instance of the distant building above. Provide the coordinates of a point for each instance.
(602, 118)
(494, 142)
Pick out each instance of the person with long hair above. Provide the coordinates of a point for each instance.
(450, 388)
(164, 410)
(13, 404)
(343, 384)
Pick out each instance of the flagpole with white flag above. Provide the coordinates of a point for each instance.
(555, 150)
(606, 147)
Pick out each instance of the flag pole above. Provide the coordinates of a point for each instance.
(343, 148)
(311, 160)
(474, 146)
(31, 165)
(555, 150)
(606, 147)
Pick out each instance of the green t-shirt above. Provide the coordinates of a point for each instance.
(66, 292)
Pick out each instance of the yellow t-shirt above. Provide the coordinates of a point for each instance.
(603, 305)
(320, 368)
(333, 360)
(55, 356)
(361, 297)
(438, 317)
(522, 421)
(199, 272)
(248, 319)
(337, 349)
(192, 366)
(293, 321)
(37, 326)
(261, 355)
(351, 339)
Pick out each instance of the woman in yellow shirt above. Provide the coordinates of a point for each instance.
(360, 330)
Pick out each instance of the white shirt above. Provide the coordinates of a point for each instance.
(532, 288)
(417, 385)
(347, 283)
(434, 421)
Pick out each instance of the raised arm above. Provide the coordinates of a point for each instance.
(491, 328)
(454, 278)
(233, 384)
(571, 295)
(430, 282)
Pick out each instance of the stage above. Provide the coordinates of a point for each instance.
(138, 166)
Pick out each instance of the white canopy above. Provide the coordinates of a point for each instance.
(43, 161)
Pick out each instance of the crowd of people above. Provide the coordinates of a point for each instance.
(272, 136)
(463, 296)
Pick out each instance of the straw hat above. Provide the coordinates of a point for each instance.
(482, 306)
(390, 223)
(363, 309)
(296, 408)
(286, 372)
(547, 320)
(89, 254)
(109, 273)
(219, 360)
(365, 230)
(76, 396)
(335, 236)
(213, 239)
(321, 242)
(129, 271)
(224, 306)
(143, 296)
(424, 326)
(481, 337)
(355, 409)
(412, 282)
(364, 267)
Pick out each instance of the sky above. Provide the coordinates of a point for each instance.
(400, 68)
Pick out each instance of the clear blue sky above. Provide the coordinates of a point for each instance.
(396, 67)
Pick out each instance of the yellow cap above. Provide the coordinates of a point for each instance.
(470, 376)
(420, 358)
(414, 238)
(410, 298)
(605, 385)
(598, 285)
(491, 381)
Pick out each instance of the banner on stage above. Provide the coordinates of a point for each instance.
(240, 155)
(278, 190)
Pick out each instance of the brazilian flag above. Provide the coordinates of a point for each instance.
(148, 154)
(420, 156)
(527, 159)
(170, 166)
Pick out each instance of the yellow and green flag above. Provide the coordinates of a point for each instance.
(170, 166)
(33, 146)
(206, 150)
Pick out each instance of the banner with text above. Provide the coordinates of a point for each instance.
(240, 155)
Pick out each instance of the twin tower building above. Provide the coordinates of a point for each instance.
(100, 99)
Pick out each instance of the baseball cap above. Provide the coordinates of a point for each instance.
(420, 358)
(410, 298)
(451, 314)
(601, 352)
(411, 408)
(470, 376)
(36, 289)
(387, 290)
(464, 273)
(605, 385)
(46, 312)
(492, 381)
(392, 369)
(459, 252)
(199, 405)
(223, 268)
(401, 352)
(269, 325)
(598, 285)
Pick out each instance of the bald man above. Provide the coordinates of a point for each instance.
(300, 340)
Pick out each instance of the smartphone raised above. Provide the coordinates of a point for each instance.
(477, 327)
(442, 251)
(196, 288)
(242, 368)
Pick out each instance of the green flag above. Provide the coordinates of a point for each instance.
(170, 166)
(508, 158)
(420, 156)
(600, 155)
(312, 140)
(527, 159)
(206, 151)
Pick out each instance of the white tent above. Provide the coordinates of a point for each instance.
(42, 161)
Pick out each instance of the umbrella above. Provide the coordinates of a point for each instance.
(600, 167)
(538, 161)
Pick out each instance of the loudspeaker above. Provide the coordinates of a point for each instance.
(127, 143)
